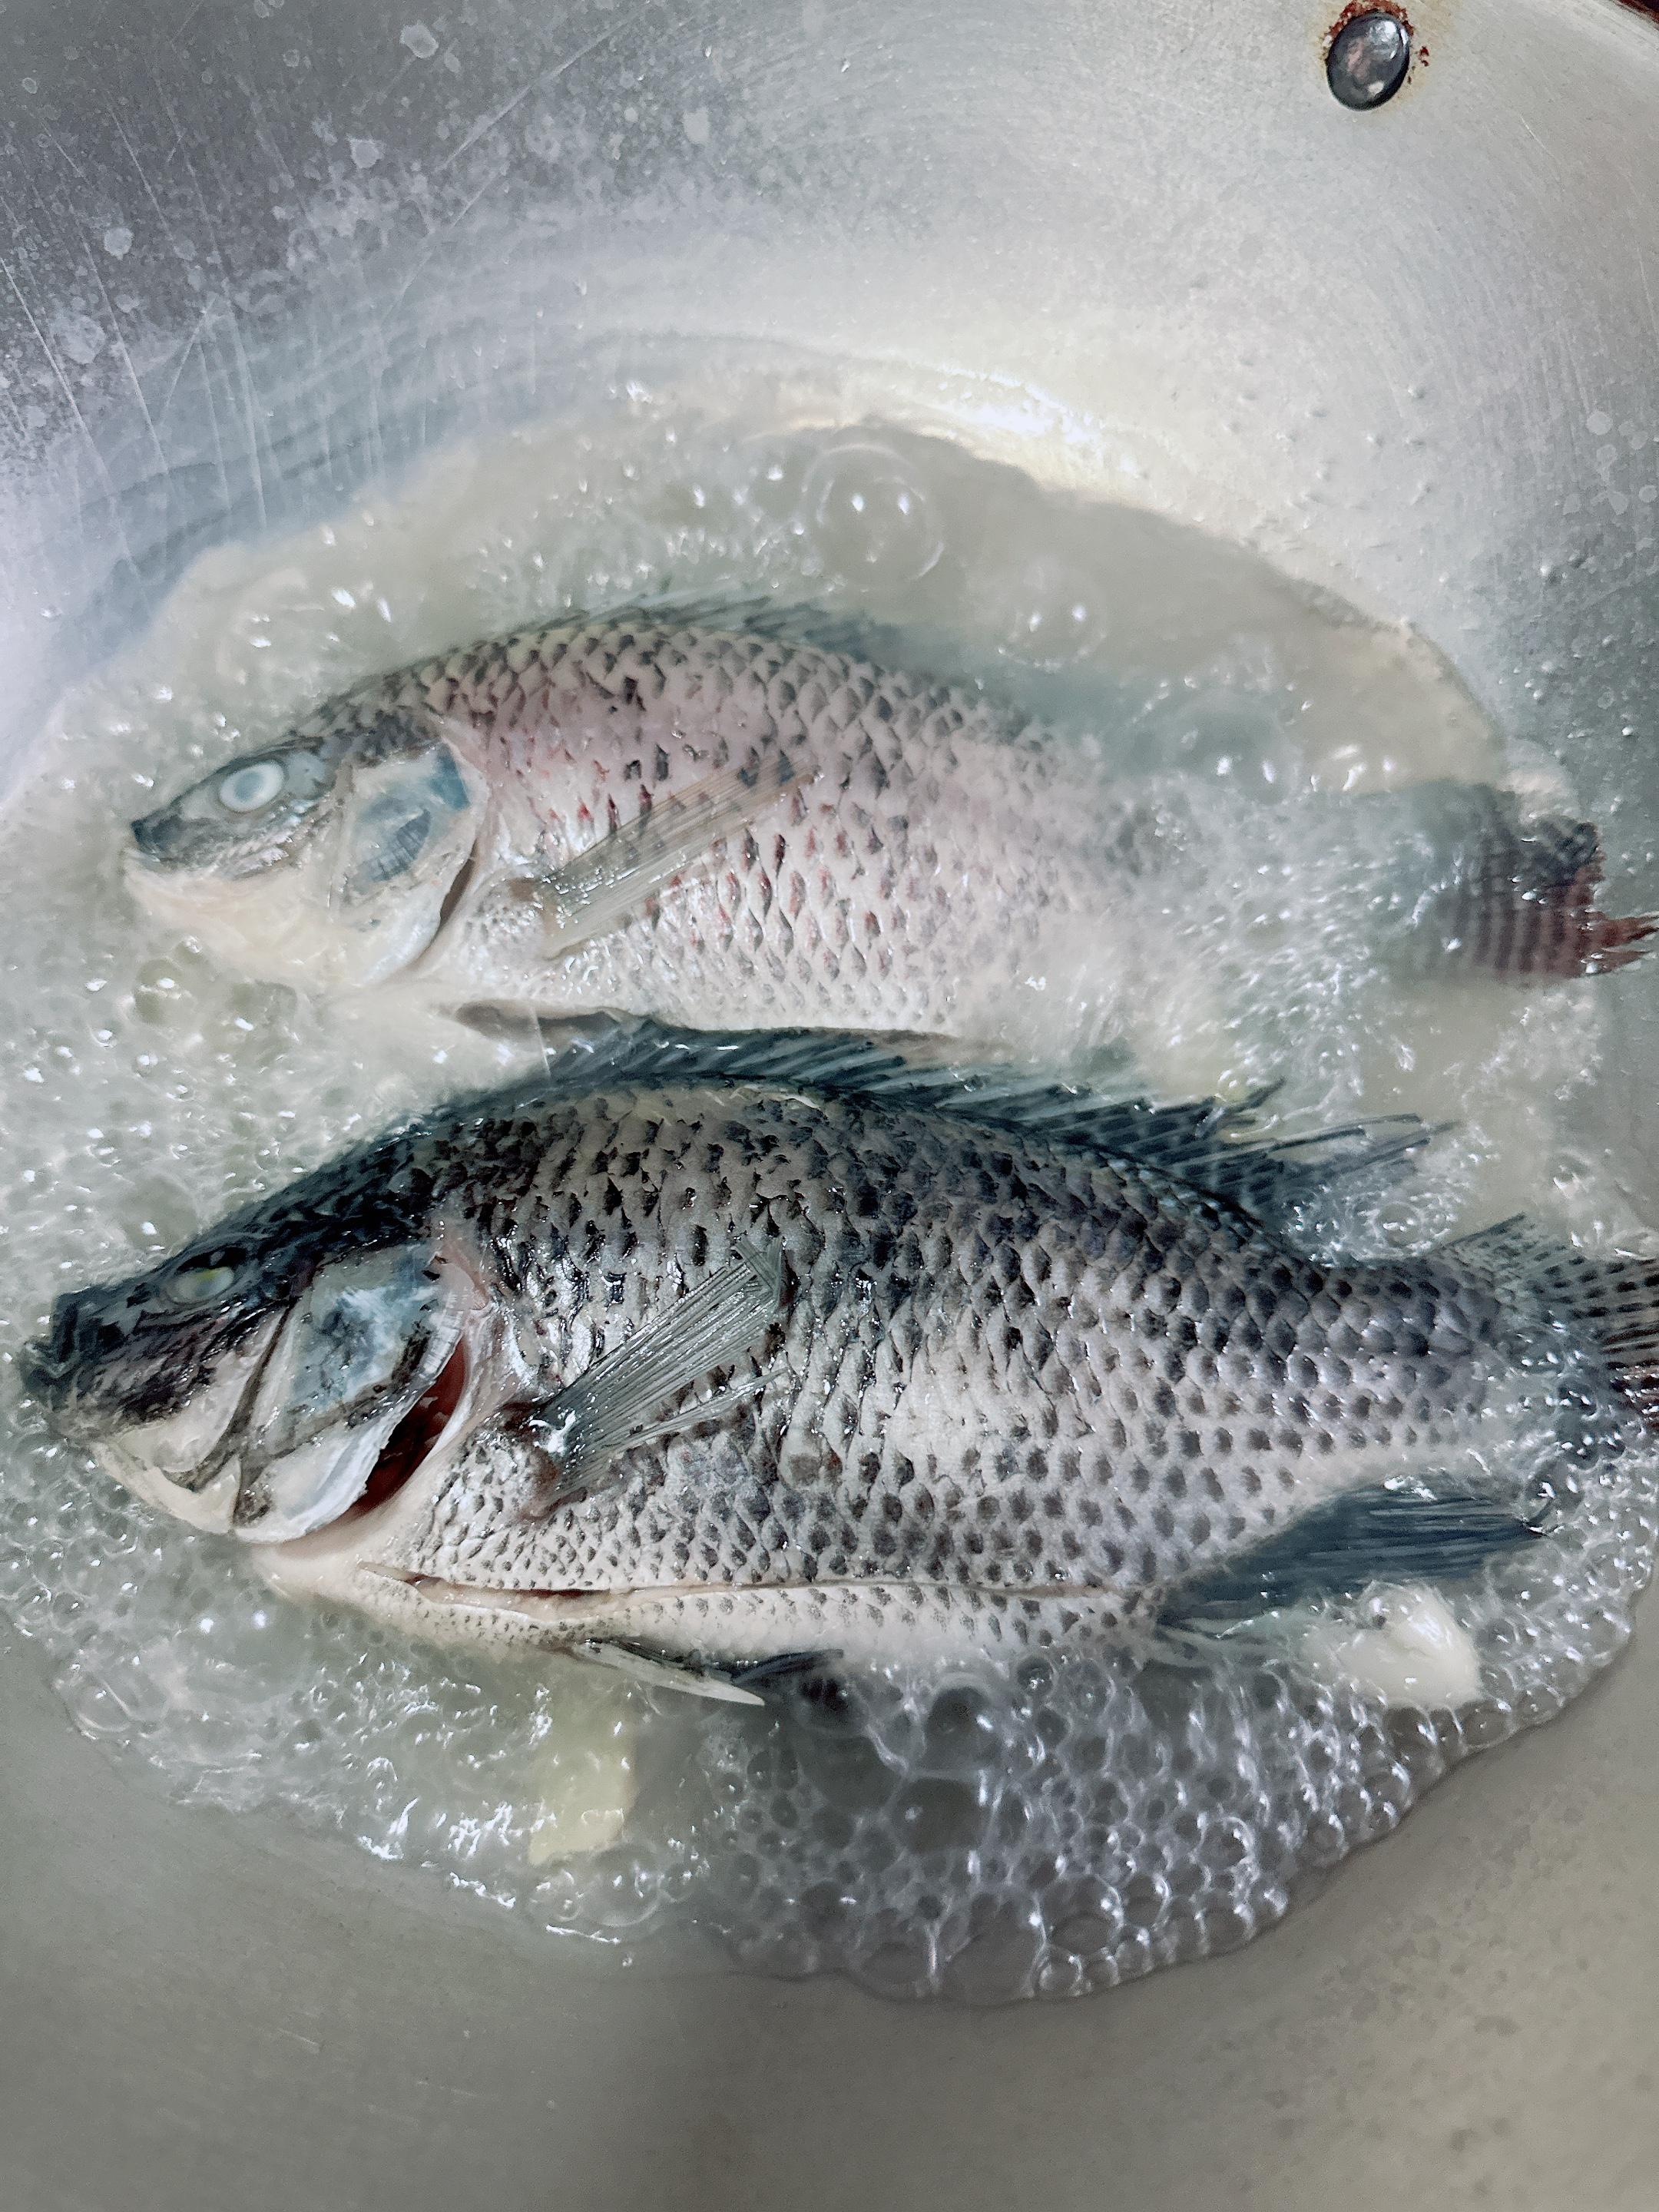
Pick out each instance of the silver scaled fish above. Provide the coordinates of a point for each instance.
(730, 818)
(696, 1354)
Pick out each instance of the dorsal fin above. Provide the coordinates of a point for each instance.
(846, 630)
(1213, 1147)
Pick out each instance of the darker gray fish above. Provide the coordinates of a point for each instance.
(696, 1351)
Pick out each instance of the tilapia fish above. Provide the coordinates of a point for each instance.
(720, 819)
(698, 1352)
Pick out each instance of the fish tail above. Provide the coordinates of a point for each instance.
(1476, 885)
(1609, 1301)
(1339, 1548)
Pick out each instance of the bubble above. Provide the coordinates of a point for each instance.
(871, 520)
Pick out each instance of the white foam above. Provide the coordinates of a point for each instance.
(1414, 1653)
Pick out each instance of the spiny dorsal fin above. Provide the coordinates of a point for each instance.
(1478, 883)
(845, 631)
(1213, 1147)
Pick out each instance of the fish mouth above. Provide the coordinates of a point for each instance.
(279, 921)
(185, 1463)
(145, 851)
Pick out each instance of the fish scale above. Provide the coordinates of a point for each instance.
(882, 903)
(934, 1411)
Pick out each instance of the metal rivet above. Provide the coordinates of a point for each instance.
(1368, 60)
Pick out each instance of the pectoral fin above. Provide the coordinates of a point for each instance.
(620, 1402)
(602, 888)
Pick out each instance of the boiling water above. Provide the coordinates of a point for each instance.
(1052, 1831)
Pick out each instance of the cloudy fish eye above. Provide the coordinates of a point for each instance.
(248, 788)
(196, 1286)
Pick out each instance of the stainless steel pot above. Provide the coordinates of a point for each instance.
(257, 254)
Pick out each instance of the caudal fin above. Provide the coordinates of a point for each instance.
(1476, 885)
(1610, 1303)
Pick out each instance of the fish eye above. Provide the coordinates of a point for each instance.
(198, 1286)
(248, 788)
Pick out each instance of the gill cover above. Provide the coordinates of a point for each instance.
(404, 845)
(403, 819)
(367, 1338)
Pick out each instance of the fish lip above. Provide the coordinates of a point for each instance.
(77, 1416)
(190, 1493)
(43, 1376)
(145, 830)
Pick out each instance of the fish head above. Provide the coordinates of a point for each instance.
(329, 862)
(273, 1377)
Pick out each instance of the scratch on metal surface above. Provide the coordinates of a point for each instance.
(547, 76)
(139, 170)
(58, 147)
(1647, 288)
(240, 366)
(18, 426)
(184, 360)
(245, 378)
(482, 130)
(57, 368)
(261, 131)
(1612, 590)
(592, 46)
(91, 260)
(467, 206)
(175, 36)
(1539, 143)
(113, 319)
(196, 339)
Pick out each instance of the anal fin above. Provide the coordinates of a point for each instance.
(1335, 1551)
(741, 1682)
